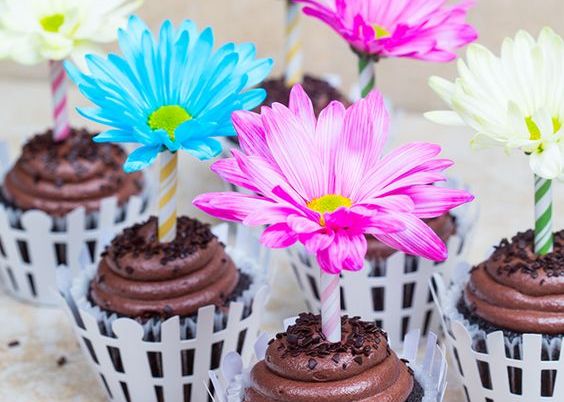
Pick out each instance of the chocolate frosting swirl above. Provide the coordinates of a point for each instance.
(444, 226)
(141, 277)
(57, 177)
(300, 365)
(520, 291)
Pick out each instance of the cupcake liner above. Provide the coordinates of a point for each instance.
(165, 360)
(231, 380)
(395, 292)
(494, 367)
(4, 159)
(33, 244)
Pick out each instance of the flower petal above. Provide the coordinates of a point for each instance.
(141, 158)
(549, 163)
(278, 236)
(228, 169)
(417, 239)
(292, 147)
(344, 253)
(230, 206)
(365, 131)
(433, 201)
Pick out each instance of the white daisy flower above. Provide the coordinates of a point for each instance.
(515, 100)
(32, 31)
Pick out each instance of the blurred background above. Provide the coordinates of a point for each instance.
(502, 184)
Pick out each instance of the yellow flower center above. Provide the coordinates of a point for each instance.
(328, 203)
(52, 23)
(380, 31)
(168, 118)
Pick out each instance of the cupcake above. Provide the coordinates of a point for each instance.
(58, 177)
(516, 290)
(158, 310)
(301, 365)
(143, 279)
(58, 203)
(503, 312)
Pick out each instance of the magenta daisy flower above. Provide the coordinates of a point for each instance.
(420, 29)
(324, 182)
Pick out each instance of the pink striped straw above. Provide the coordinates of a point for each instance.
(59, 87)
(330, 307)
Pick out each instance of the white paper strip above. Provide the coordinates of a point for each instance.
(31, 250)
(4, 159)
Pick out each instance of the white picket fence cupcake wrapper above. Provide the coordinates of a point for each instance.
(393, 293)
(491, 367)
(175, 367)
(430, 371)
(33, 244)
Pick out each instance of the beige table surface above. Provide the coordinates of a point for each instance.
(29, 372)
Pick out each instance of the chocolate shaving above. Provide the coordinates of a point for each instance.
(518, 256)
(305, 337)
(192, 236)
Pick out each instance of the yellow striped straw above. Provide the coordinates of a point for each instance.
(167, 196)
(294, 55)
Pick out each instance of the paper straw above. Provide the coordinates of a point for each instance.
(294, 55)
(59, 86)
(330, 307)
(544, 241)
(367, 77)
(167, 196)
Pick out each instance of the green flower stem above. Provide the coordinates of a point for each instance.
(367, 75)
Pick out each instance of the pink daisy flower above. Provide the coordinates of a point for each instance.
(420, 29)
(324, 182)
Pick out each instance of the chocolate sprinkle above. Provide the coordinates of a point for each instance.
(311, 364)
(192, 236)
(80, 145)
(61, 361)
(305, 337)
(517, 256)
(14, 343)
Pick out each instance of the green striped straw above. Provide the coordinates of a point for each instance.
(544, 241)
(367, 76)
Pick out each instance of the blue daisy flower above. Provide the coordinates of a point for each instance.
(177, 93)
